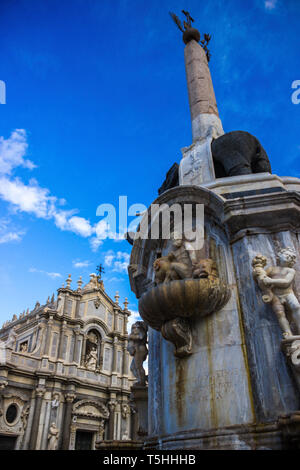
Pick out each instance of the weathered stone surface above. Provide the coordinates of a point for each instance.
(196, 166)
(273, 385)
(201, 93)
(230, 392)
(252, 437)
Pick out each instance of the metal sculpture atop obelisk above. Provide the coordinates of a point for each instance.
(197, 164)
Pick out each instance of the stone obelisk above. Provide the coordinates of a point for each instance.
(204, 112)
(196, 166)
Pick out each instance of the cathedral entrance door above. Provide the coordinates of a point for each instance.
(84, 440)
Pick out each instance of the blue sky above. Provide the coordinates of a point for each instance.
(96, 107)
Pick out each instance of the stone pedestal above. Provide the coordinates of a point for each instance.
(139, 396)
(236, 385)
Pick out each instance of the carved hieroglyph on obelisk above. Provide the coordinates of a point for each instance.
(196, 166)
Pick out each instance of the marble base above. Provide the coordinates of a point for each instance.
(139, 395)
(252, 184)
(261, 437)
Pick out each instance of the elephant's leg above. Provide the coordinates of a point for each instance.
(236, 164)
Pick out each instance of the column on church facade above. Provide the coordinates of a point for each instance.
(61, 339)
(125, 358)
(70, 397)
(111, 421)
(39, 393)
(82, 359)
(115, 353)
(48, 335)
(76, 357)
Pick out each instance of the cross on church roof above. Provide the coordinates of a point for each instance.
(100, 270)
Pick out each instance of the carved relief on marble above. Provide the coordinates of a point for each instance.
(276, 284)
(186, 286)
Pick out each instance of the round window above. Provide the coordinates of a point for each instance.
(11, 413)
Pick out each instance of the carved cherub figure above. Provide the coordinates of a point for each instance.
(279, 280)
(176, 265)
(259, 274)
(137, 348)
(205, 268)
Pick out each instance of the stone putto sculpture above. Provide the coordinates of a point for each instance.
(137, 348)
(186, 286)
(276, 285)
(53, 437)
(176, 265)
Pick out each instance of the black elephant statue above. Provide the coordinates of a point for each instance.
(171, 179)
(234, 153)
(238, 153)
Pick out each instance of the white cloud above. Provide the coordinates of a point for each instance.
(95, 243)
(102, 229)
(114, 279)
(270, 4)
(117, 261)
(12, 152)
(11, 236)
(108, 259)
(81, 264)
(49, 274)
(8, 234)
(80, 226)
(33, 199)
(27, 198)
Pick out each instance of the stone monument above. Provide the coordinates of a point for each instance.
(223, 328)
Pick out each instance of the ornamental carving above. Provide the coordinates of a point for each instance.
(125, 409)
(275, 282)
(91, 409)
(186, 287)
(112, 405)
(276, 285)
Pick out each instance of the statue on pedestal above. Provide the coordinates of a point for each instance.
(137, 348)
(91, 360)
(53, 437)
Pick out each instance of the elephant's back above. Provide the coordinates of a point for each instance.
(234, 140)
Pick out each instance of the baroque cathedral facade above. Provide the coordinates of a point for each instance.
(64, 372)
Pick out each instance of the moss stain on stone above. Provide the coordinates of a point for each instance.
(180, 392)
(212, 397)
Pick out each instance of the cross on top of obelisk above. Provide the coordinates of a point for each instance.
(190, 33)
